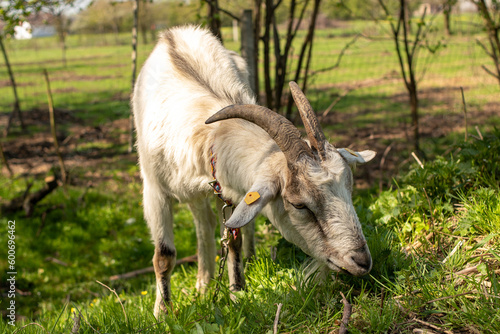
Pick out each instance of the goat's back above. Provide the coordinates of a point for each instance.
(188, 77)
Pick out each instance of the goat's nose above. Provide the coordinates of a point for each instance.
(362, 258)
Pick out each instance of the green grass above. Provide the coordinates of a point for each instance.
(446, 215)
(428, 226)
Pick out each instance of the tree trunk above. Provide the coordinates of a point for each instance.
(17, 108)
(134, 70)
(410, 81)
(144, 25)
(214, 22)
(256, 27)
(493, 32)
(4, 160)
(308, 41)
(266, 39)
(61, 32)
(414, 117)
(446, 14)
(248, 47)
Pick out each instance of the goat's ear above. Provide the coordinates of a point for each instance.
(250, 206)
(356, 158)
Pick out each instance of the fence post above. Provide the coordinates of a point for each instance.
(248, 48)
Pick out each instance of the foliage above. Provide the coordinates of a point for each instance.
(16, 11)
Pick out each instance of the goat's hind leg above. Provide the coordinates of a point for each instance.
(205, 223)
(158, 214)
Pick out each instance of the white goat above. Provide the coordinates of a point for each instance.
(304, 187)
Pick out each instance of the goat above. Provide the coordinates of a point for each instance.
(188, 85)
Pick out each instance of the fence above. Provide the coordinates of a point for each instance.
(366, 82)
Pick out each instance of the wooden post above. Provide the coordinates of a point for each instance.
(4, 160)
(17, 108)
(235, 31)
(248, 48)
(134, 70)
(53, 127)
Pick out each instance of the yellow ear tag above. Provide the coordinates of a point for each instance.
(252, 197)
(351, 151)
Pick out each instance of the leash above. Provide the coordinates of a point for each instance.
(227, 231)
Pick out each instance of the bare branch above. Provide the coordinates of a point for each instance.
(465, 113)
(30, 324)
(490, 72)
(450, 297)
(277, 319)
(339, 58)
(417, 35)
(481, 44)
(187, 259)
(345, 315)
(228, 13)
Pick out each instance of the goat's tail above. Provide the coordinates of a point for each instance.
(199, 56)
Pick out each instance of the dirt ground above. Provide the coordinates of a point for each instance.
(90, 147)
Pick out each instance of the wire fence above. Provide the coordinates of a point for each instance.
(97, 74)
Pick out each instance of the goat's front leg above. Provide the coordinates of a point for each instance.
(158, 214)
(249, 240)
(235, 262)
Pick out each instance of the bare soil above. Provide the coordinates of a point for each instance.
(35, 154)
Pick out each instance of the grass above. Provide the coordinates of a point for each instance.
(423, 230)
(454, 202)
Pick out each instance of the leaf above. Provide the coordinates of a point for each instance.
(219, 317)
(483, 269)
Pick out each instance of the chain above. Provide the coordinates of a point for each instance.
(222, 262)
(228, 232)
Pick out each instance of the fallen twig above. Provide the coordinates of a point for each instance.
(449, 297)
(413, 317)
(30, 324)
(345, 315)
(479, 133)
(28, 201)
(382, 297)
(417, 159)
(416, 245)
(119, 300)
(57, 261)
(465, 113)
(428, 324)
(132, 274)
(277, 319)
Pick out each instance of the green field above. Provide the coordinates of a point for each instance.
(424, 226)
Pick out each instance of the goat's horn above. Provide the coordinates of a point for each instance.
(311, 123)
(281, 130)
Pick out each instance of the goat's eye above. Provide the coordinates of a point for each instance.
(299, 206)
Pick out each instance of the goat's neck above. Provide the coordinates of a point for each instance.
(245, 155)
